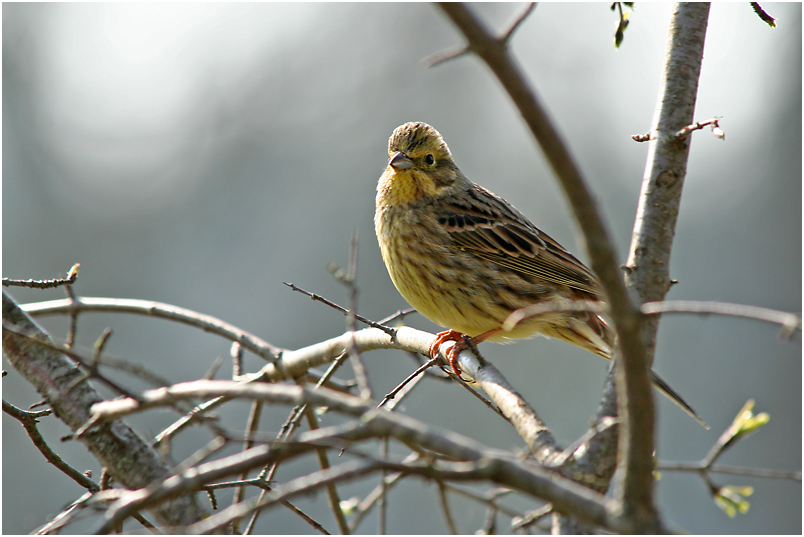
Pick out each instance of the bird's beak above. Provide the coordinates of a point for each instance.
(400, 162)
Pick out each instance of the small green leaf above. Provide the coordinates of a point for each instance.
(349, 506)
(730, 499)
(746, 422)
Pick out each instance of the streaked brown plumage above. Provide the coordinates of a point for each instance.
(466, 259)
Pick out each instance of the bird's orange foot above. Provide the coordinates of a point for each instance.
(460, 344)
(452, 354)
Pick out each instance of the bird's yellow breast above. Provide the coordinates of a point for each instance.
(424, 274)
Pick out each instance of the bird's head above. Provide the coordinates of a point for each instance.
(420, 165)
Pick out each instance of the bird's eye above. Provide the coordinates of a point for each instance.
(429, 159)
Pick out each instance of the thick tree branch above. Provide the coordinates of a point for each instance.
(649, 261)
(567, 496)
(635, 403)
(117, 447)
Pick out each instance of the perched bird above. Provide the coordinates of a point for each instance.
(466, 259)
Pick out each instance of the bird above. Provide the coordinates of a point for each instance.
(466, 259)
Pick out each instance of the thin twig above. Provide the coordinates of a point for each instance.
(378, 494)
(29, 420)
(236, 352)
(457, 52)
(442, 57)
(734, 432)
(72, 275)
(445, 510)
(332, 492)
(252, 425)
(264, 486)
(387, 329)
(196, 414)
(673, 466)
(643, 137)
(488, 499)
(790, 322)
(490, 524)
(413, 376)
(532, 517)
(506, 36)
(399, 315)
(73, 330)
(287, 429)
(685, 131)
(92, 369)
(348, 280)
(770, 21)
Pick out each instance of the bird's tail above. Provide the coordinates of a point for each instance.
(595, 335)
(671, 394)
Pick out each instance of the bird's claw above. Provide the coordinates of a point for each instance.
(454, 351)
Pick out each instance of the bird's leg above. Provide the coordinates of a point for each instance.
(460, 344)
(443, 337)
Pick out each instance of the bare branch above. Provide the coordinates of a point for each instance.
(491, 464)
(348, 280)
(411, 381)
(506, 36)
(499, 467)
(744, 424)
(442, 57)
(770, 21)
(207, 323)
(72, 275)
(649, 260)
(636, 404)
(132, 462)
(29, 420)
(398, 316)
(667, 466)
(642, 137)
(252, 425)
(685, 131)
(86, 370)
(790, 322)
(332, 492)
(445, 510)
(531, 518)
(369, 322)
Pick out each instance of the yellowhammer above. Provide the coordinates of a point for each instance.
(466, 259)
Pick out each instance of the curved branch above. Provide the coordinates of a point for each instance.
(487, 463)
(635, 402)
(116, 446)
(28, 421)
(789, 321)
(149, 308)
(671, 466)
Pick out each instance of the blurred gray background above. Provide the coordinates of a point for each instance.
(200, 155)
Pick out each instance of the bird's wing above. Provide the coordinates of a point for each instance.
(489, 227)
